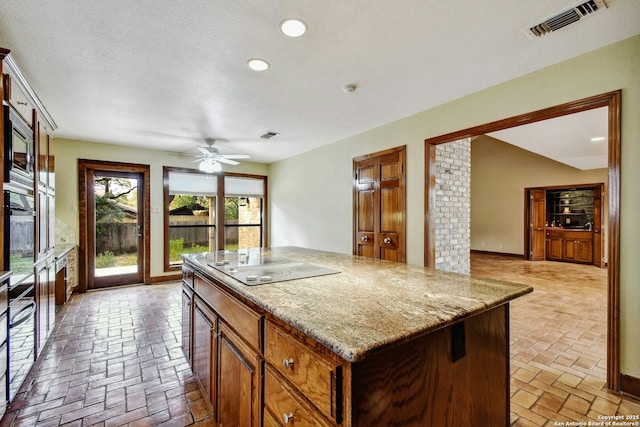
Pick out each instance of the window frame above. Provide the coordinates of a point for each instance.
(219, 226)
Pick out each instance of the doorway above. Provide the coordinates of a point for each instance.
(612, 100)
(114, 219)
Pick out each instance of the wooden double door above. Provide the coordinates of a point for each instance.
(379, 205)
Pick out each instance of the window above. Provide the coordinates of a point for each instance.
(242, 212)
(193, 216)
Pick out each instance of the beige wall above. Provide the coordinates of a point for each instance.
(499, 174)
(311, 193)
(68, 152)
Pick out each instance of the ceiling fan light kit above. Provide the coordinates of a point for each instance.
(211, 159)
(210, 166)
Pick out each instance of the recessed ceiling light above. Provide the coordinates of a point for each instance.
(257, 64)
(293, 27)
(598, 139)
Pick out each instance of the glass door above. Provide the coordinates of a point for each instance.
(115, 213)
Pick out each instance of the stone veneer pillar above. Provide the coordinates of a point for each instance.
(453, 206)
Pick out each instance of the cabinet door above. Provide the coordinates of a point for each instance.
(554, 247)
(204, 349)
(239, 381)
(42, 307)
(51, 296)
(187, 305)
(583, 251)
(569, 249)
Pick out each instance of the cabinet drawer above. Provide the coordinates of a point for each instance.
(187, 276)
(246, 322)
(281, 408)
(315, 376)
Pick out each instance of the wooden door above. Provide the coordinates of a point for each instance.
(597, 226)
(379, 205)
(114, 201)
(537, 217)
(239, 381)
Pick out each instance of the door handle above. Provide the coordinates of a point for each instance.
(387, 240)
(364, 238)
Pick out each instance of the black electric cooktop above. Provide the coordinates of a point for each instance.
(252, 268)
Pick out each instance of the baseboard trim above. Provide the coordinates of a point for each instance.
(630, 386)
(475, 251)
(167, 278)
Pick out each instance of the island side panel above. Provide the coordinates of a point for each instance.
(417, 383)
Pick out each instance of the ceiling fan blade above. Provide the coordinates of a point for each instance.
(204, 151)
(227, 161)
(235, 156)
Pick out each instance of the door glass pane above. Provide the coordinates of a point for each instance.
(243, 222)
(191, 225)
(117, 231)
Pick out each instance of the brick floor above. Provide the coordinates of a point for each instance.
(558, 342)
(114, 358)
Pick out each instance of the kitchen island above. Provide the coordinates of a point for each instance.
(366, 343)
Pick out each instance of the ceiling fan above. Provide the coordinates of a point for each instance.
(210, 158)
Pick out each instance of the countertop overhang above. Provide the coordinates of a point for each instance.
(370, 303)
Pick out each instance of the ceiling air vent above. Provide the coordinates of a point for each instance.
(567, 17)
(268, 135)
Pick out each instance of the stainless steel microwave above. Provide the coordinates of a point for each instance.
(18, 148)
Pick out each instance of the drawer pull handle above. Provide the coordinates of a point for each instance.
(286, 418)
(22, 103)
(288, 363)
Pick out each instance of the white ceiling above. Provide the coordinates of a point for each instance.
(166, 74)
(566, 139)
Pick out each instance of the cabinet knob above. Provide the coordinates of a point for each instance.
(287, 417)
(364, 238)
(288, 363)
(387, 240)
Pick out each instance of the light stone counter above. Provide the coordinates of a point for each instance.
(370, 303)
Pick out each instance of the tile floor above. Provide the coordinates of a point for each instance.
(558, 342)
(114, 358)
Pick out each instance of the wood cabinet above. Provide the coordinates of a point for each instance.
(65, 274)
(572, 217)
(224, 340)
(578, 246)
(554, 245)
(257, 369)
(205, 326)
(570, 246)
(313, 377)
(45, 301)
(239, 381)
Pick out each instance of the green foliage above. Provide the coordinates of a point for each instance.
(188, 201)
(107, 210)
(176, 247)
(231, 208)
(105, 259)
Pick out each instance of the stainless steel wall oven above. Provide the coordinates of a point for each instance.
(18, 148)
(19, 255)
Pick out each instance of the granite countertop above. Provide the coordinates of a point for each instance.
(63, 250)
(370, 303)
